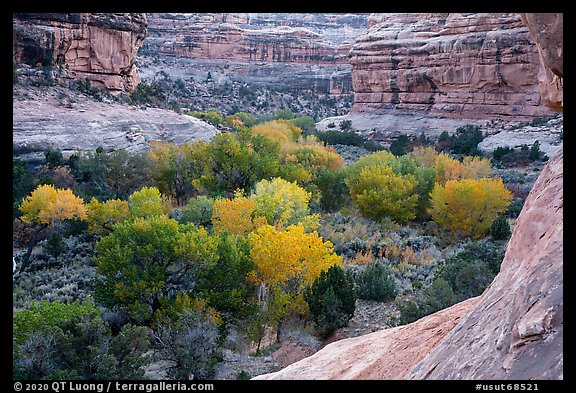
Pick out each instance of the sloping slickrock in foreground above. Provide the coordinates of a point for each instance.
(385, 354)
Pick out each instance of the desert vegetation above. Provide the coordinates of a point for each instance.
(270, 228)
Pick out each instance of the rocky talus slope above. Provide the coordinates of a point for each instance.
(100, 47)
(514, 330)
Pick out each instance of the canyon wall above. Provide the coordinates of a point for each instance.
(463, 66)
(279, 51)
(287, 38)
(100, 47)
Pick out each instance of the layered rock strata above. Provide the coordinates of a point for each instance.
(261, 38)
(466, 66)
(99, 47)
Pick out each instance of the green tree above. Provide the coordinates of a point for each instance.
(226, 285)
(466, 139)
(238, 164)
(54, 340)
(400, 145)
(333, 189)
(146, 259)
(376, 283)
(331, 299)
(198, 211)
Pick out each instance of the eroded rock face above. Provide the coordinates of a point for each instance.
(100, 47)
(470, 66)
(547, 30)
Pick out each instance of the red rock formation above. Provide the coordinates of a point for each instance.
(548, 31)
(472, 66)
(238, 37)
(100, 47)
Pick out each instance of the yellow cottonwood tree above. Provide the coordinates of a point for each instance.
(234, 215)
(469, 205)
(45, 206)
(103, 215)
(287, 261)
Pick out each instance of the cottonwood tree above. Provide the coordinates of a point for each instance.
(469, 206)
(286, 262)
(46, 206)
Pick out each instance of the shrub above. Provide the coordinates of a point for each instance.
(466, 140)
(470, 271)
(515, 208)
(399, 146)
(331, 299)
(190, 343)
(54, 340)
(438, 296)
(409, 311)
(333, 137)
(306, 123)
(500, 152)
(345, 125)
(53, 157)
(376, 283)
(500, 229)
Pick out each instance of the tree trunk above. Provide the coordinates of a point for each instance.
(31, 244)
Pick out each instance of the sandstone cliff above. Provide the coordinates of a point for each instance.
(547, 31)
(513, 331)
(263, 38)
(471, 66)
(100, 47)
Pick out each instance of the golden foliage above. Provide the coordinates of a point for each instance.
(279, 130)
(47, 205)
(102, 216)
(290, 259)
(469, 205)
(234, 215)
